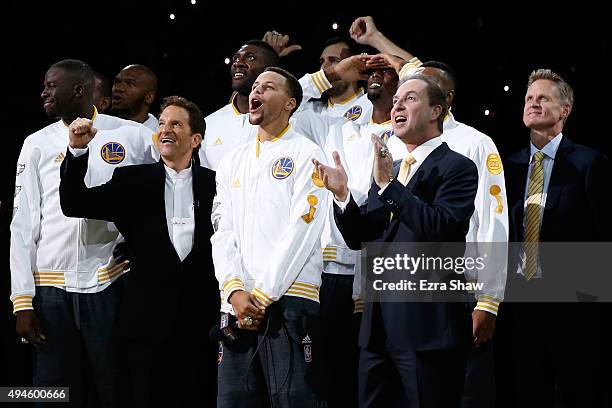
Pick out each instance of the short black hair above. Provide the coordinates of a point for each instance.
(273, 58)
(104, 84)
(450, 73)
(80, 70)
(196, 118)
(293, 85)
(352, 45)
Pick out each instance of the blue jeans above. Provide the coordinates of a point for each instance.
(280, 365)
(79, 332)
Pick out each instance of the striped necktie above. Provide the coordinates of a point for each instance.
(404, 171)
(533, 215)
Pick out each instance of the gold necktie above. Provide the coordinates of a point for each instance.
(404, 171)
(533, 215)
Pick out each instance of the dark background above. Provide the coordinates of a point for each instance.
(488, 47)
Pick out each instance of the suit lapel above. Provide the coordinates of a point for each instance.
(559, 173)
(429, 162)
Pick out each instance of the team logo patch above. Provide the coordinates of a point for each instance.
(20, 168)
(282, 168)
(112, 153)
(495, 191)
(354, 113)
(494, 164)
(387, 135)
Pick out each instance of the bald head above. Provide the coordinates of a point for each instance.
(134, 91)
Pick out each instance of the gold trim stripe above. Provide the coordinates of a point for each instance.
(302, 295)
(315, 80)
(491, 299)
(233, 282)
(487, 308)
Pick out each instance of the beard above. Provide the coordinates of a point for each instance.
(244, 88)
(338, 88)
(374, 96)
(256, 119)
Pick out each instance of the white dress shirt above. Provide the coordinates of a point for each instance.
(178, 197)
(550, 151)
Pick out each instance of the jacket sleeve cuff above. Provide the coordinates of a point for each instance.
(409, 68)
(231, 286)
(320, 81)
(23, 302)
(488, 304)
(358, 306)
(262, 297)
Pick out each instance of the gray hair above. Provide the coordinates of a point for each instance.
(564, 90)
(435, 94)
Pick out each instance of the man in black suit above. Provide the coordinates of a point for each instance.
(163, 211)
(551, 353)
(430, 198)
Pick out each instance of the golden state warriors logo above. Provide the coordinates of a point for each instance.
(385, 136)
(354, 113)
(112, 153)
(282, 168)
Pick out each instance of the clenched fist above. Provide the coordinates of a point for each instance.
(81, 132)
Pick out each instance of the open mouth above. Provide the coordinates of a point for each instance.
(400, 119)
(375, 85)
(255, 104)
(238, 75)
(167, 140)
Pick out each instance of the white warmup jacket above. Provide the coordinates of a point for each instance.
(49, 249)
(356, 108)
(227, 128)
(268, 216)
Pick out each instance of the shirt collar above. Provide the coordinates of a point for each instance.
(549, 149)
(423, 150)
(183, 174)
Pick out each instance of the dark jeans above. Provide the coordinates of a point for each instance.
(79, 331)
(280, 365)
(339, 339)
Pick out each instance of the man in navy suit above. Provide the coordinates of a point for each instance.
(551, 353)
(163, 212)
(419, 349)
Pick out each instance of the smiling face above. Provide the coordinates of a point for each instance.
(543, 107)
(175, 139)
(58, 92)
(382, 84)
(411, 116)
(269, 100)
(247, 64)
